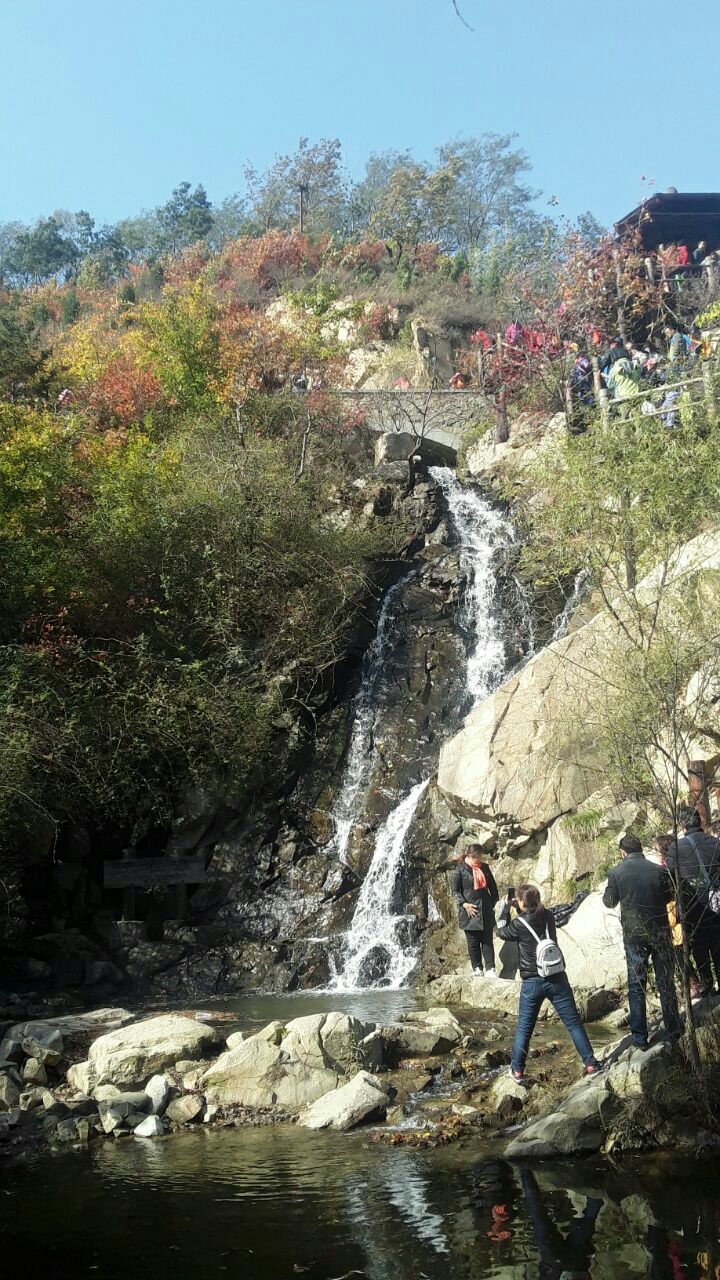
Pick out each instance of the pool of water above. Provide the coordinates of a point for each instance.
(273, 1203)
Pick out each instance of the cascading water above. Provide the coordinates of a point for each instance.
(376, 935)
(376, 924)
(359, 762)
(482, 531)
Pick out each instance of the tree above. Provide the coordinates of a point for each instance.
(411, 206)
(486, 202)
(42, 252)
(23, 359)
(9, 233)
(316, 168)
(186, 218)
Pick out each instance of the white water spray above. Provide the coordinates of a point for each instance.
(482, 531)
(358, 766)
(375, 923)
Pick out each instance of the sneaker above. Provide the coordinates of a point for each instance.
(517, 1076)
(594, 1068)
(490, 973)
(477, 973)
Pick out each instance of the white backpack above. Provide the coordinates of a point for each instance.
(548, 957)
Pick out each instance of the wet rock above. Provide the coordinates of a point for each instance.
(105, 1092)
(34, 1072)
(82, 1107)
(53, 1106)
(490, 1059)
(83, 1130)
(150, 1127)
(9, 1093)
(31, 1098)
(463, 1109)
(112, 1120)
(419, 1035)
(185, 1110)
(66, 1130)
(375, 967)
(49, 1051)
(158, 1091)
(211, 1111)
(555, 1135)
(132, 1054)
(507, 1096)
(361, 1098)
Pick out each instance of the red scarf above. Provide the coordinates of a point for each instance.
(479, 881)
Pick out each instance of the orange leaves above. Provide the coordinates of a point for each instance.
(123, 393)
(270, 259)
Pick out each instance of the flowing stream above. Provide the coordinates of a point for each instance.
(378, 947)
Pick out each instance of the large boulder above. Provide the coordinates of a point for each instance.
(423, 1034)
(343, 1108)
(326, 1040)
(558, 1134)
(132, 1054)
(518, 753)
(259, 1074)
(592, 943)
(394, 446)
(530, 752)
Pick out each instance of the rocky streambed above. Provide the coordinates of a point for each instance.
(427, 1078)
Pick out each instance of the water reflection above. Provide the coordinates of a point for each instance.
(284, 1203)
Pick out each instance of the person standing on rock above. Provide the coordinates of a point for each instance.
(535, 932)
(694, 863)
(642, 889)
(476, 893)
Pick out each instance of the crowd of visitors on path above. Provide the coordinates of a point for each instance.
(670, 915)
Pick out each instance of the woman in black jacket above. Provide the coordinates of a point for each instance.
(535, 989)
(475, 893)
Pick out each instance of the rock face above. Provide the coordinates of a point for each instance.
(360, 1098)
(510, 759)
(132, 1054)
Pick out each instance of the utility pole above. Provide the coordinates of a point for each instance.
(302, 205)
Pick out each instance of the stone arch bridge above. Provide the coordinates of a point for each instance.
(437, 419)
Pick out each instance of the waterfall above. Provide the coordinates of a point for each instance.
(378, 949)
(482, 531)
(375, 925)
(562, 622)
(364, 711)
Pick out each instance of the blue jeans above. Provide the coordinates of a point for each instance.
(533, 994)
(638, 954)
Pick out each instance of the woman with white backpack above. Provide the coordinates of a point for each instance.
(543, 977)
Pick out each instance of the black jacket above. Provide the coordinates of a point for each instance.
(461, 885)
(643, 890)
(527, 945)
(682, 861)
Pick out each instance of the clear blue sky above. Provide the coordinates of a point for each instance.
(107, 107)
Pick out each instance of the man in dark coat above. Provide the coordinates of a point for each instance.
(694, 864)
(475, 892)
(643, 890)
